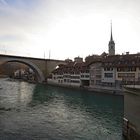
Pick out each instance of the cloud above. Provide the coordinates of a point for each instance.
(80, 25)
(15, 20)
(3, 2)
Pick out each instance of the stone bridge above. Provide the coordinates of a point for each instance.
(42, 67)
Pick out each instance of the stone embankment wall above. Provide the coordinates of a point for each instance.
(131, 125)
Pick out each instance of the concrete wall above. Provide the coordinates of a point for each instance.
(132, 109)
(64, 84)
(132, 114)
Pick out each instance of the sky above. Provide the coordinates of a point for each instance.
(61, 29)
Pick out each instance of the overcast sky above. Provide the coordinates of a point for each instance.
(68, 28)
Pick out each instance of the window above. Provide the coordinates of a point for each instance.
(108, 75)
(75, 77)
(87, 76)
(98, 76)
(133, 62)
(73, 81)
(126, 76)
(133, 69)
(108, 69)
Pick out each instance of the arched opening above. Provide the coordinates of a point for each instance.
(31, 69)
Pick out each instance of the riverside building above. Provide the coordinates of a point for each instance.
(74, 74)
(105, 72)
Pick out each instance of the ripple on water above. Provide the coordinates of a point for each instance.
(37, 112)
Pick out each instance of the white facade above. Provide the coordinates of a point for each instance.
(109, 75)
(57, 78)
(72, 80)
(84, 76)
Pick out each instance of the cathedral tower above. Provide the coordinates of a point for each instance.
(111, 44)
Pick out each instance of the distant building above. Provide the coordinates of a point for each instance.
(19, 73)
(95, 73)
(68, 60)
(78, 59)
(89, 59)
(74, 74)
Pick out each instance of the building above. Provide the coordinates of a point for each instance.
(73, 74)
(109, 71)
(84, 75)
(124, 69)
(111, 44)
(105, 72)
(128, 69)
(78, 59)
(95, 73)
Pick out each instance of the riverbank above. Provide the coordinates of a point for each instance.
(134, 89)
(99, 89)
(4, 76)
(108, 90)
(17, 79)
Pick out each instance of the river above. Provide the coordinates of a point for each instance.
(42, 112)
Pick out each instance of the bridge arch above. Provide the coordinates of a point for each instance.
(39, 73)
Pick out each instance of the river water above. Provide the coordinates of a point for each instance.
(42, 112)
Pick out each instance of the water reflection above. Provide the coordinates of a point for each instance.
(15, 94)
(41, 94)
(54, 113)
(76, 108)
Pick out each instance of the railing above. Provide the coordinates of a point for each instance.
(134, 82)
(125, 127)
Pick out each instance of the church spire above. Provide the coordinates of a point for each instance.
(111, 38)
(111, 44)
